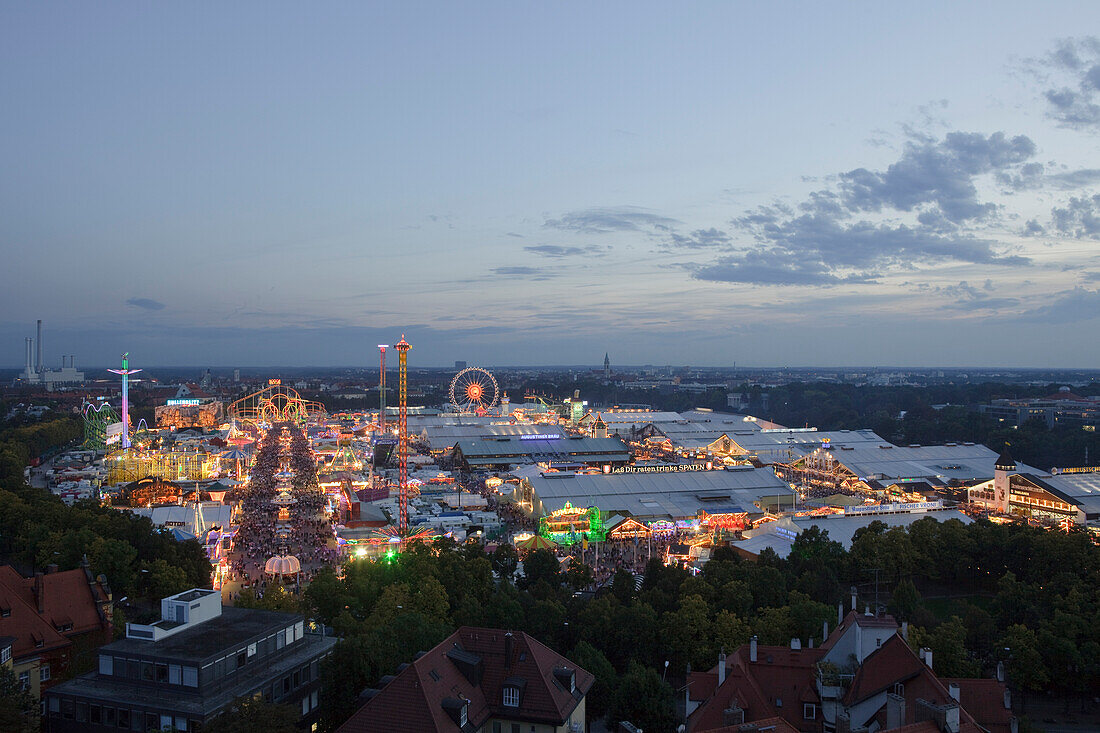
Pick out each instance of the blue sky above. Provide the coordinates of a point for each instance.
(513, 183)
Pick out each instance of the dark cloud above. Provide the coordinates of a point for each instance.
(1033, 176)
(970, 298)
(1071, 74)
(763, 267)
(1070, 306)
(699, 239)
(939, 173)
(1079, 218)
(612, 219)
(534, 273)
(555, 250)
(820, 241)
(146, 303)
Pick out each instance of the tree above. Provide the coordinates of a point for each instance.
(18, 709)
(579, 576)
(163, 580)
(905, 600)
(589, 657)
(622, 585)
(252, 715)
(504, 560)
(730, 631)
(541, 565)
(948, 644)
(1023, 661)
(643, 699)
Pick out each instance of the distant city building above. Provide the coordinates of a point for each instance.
(460, 365)
(1063, 408)
(181, 672)
(479, 681)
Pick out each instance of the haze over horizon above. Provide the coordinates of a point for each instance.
(278, 185)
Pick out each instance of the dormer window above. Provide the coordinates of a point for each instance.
(567, 678)
(511, 697)
(458, 709)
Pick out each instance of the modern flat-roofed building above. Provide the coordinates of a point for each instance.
(657, 492)
(184, 670)
(549, 448)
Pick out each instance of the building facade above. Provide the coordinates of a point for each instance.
(184, 670)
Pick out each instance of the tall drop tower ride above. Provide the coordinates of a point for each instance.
(382, 388)
(125, 371)
(403, 347)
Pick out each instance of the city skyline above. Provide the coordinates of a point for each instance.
(269, 185)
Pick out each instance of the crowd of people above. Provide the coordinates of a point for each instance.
(283, 480)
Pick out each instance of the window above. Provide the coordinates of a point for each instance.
(497, 728)
(809, 711)
(515, 727)
(123, 718)
(181, 724)
(174, 674)
(5, 612)
(5, 654)
(109, 716)
(190, 677)
(147, 673)
(106, 664)
(314, 700)
(242, 657)
(779, 702)
(462, 715)
(511, 697)
(24, 680)
(95, 714)
(44, 673)
(162, 673)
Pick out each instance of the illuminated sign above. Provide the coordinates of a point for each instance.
(114, 433)
(675, 468)
(184, 402)
(789, 534)
(884, 508)
(274, 382)
(541, 436)
(1080, 469)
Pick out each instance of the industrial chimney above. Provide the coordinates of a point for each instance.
(38, 358)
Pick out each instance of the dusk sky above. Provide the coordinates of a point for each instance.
(219, 184)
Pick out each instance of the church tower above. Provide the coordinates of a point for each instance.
(606, 366)
(1001, 480)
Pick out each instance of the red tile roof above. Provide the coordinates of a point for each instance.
(20, 619)
(778, 674)
(413, 700)
(67, 599)
(985, 700)
(768, 725)
(895, 662)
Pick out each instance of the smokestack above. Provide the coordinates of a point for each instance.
(28, 364)
(721, 666)
(38, 359)
(508, 650)
(854, 600)
(752, 648)
(953, 691)
(824, 631)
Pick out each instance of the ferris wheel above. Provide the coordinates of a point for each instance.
(474, 389)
